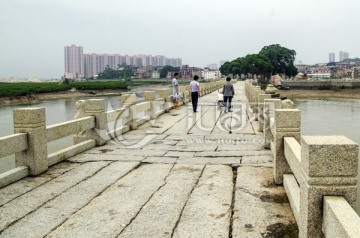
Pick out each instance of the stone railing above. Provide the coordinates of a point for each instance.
(89, 129)
(319, 173)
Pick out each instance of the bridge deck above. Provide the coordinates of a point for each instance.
(182, 175)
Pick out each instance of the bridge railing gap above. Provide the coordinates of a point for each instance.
(319, 173)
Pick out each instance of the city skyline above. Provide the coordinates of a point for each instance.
(86, 65)
(223, 30)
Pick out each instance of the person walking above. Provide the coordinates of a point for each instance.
(176, 91)
(195, 92)
(228, 91)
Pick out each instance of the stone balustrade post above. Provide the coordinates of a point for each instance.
(33, 122)
(188, 89)
(149, 96)
(269, 112)
(166, 95)
(261, 98)
(287, 124)
(96, 108)
(128, 99)
(183, 94)
(329, 167)
(255, 102)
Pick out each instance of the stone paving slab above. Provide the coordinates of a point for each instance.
(157, 147)
(229, 153)
(11, 211)
(126, 152)
(179, 154)
(208, 211)
(81, 158)
(193, 148)
(240, 147)
(160, 160)
(164, 142)
(183, 137)
(116, 207)
(207, 160)
(265, 160)
(166, 206)
(256, 197)
(55, 212)
(27, 184)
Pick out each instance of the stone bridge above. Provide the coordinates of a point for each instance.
(183, 174)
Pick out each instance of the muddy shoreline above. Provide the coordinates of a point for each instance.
(57, 95)
(291, 94)
(300, 93)
(34, 98)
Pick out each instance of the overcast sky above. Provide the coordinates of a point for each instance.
(33, 33)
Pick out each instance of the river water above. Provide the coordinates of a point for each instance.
(319, 117)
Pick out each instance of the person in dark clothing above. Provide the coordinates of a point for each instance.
(195, 92)
(228, 91)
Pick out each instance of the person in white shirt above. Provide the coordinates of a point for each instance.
(176, 91)
(195, 92)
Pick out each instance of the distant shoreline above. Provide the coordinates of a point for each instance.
(56, 95)
(33, 98)
(308, 93)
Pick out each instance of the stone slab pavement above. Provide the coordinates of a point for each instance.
(184, 174)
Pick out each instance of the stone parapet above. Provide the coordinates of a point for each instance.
(325, 158)
(287, 124)
(32, 121)
(270, 105)
(128, 99)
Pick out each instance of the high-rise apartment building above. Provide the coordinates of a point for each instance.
(74, 62)
(79, 65)
(331, 57)
(343, 55)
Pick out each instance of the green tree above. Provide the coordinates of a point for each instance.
(280, 58)
(166, 69)
(225, 68)
(256, 64)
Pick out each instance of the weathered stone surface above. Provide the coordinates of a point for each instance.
(340, 219)
(329, 156)
(105, 157)
(230, 153)
(32, 122)
(115, 208)
(160, 160)
(11, 211)
(208, 160)
(256, 197)
(179, 154)
(126, 152)
(263, 160)
(208, 210)
(193, 148)
(55, 212)
(27, 184)
(240, 147)
(166, 205)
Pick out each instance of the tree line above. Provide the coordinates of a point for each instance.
(272, 59)
(126, 72)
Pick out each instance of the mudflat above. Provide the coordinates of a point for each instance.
(340, 93)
